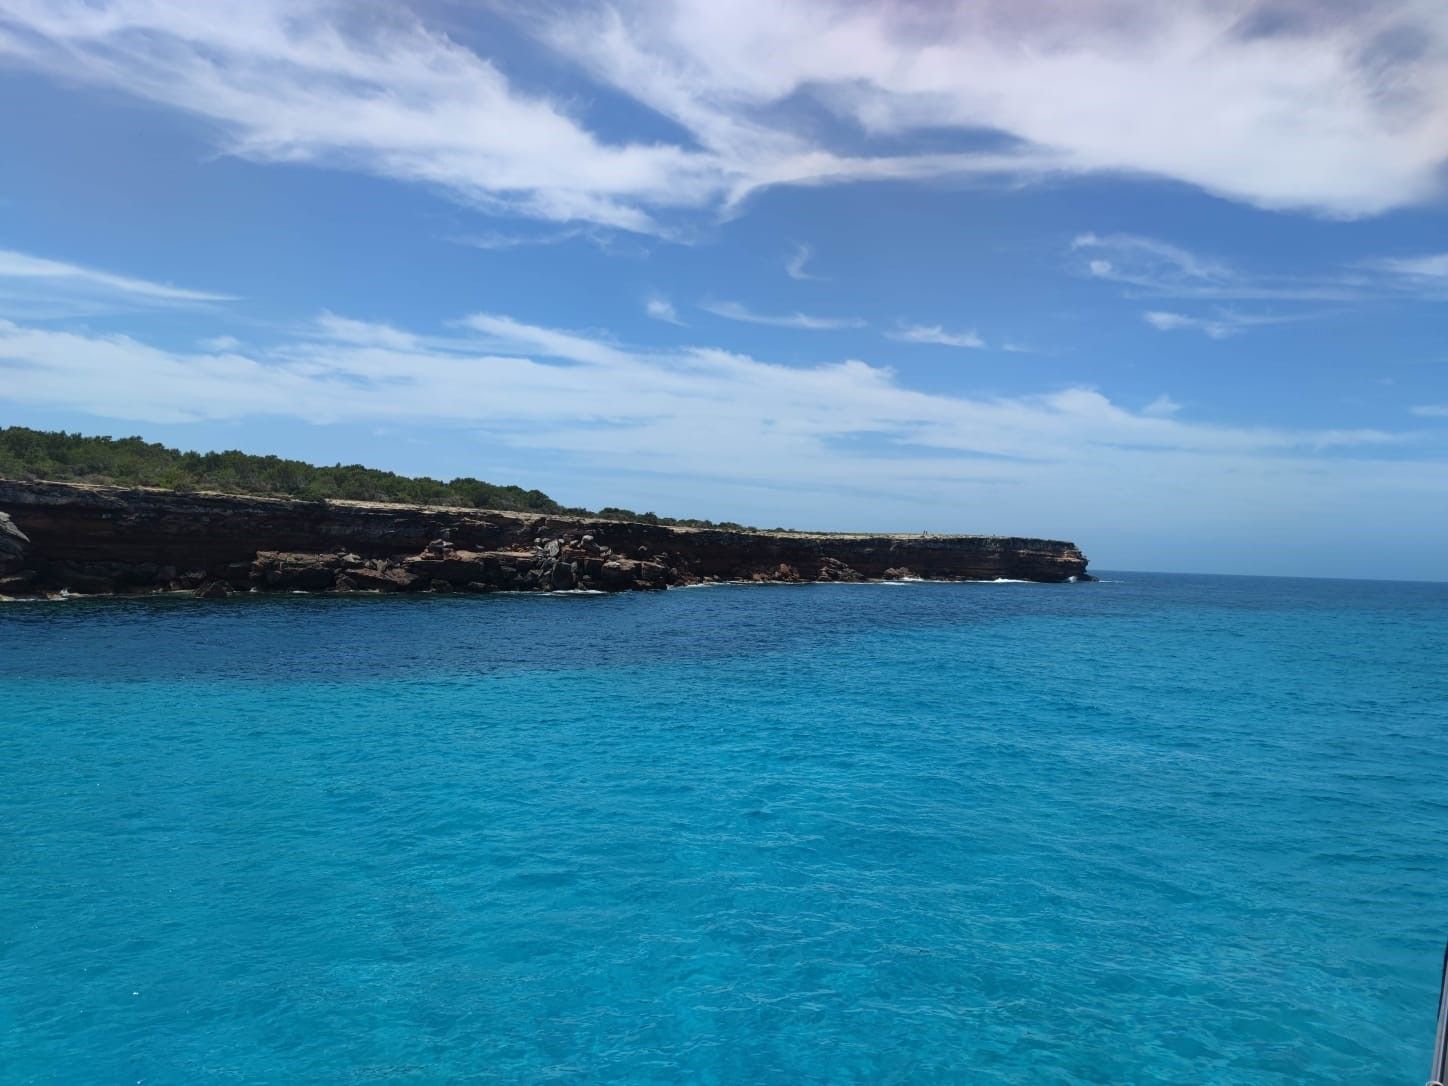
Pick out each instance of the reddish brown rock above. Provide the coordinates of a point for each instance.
(383, 577)
(295, 571)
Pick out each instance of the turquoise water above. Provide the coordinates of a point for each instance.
(1155, 830)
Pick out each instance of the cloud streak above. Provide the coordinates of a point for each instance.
(1428, 271)
(735, 311)
(1150, 268)
(1224, 324)
(934, 333)
(56, 276)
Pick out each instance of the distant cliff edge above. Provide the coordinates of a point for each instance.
(80, 538)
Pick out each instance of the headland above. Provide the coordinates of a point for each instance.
(58, 537)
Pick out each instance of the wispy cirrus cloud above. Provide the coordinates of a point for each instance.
(1337, 110)
(499, 241)
(56, 278)
(736, 311)
(661, 309)
(1426, 272)
(1151, 268)
(1164, 321)
(1222, 325)
(1430, 410)
(794, 266)
(934, 333)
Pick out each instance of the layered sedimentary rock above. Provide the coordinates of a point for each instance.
(99, 539)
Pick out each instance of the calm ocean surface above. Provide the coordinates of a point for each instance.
(1155, 830)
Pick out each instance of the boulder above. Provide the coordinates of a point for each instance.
(459, 567)
(283, 570)
(617, 573)
(213, 590)
(832, 569)
(383, 577)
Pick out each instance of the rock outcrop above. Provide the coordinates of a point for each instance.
(101, 539)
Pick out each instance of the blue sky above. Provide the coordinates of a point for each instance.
(1168, 280)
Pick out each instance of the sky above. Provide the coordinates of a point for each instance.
(1167, 280)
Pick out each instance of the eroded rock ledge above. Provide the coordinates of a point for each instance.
(97, 539)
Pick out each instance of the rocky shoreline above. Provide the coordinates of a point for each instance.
(69, 538)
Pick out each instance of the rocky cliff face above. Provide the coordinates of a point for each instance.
(98, 539)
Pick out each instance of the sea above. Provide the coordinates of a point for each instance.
(1157, 829)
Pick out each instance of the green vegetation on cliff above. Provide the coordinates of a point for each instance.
(130, 461)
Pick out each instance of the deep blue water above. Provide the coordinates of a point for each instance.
(1155, 830)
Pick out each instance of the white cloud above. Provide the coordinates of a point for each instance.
(221, 344)
(661, 309)
(934, 333)
(497, 241)
(369, 88)
(734, 311)
(1150, 267)
(515, 337)
(1433, 267)
(1172, 322)
(329, 326)
(1162, 407)
(1338, 109)
(811, 445)
(56, 275)
(513, 371)
(1144, 267)
(794, 267)
(1225, 322)
(1293, 107)
(1431, 410)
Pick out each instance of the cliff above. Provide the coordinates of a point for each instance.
(101, 539)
